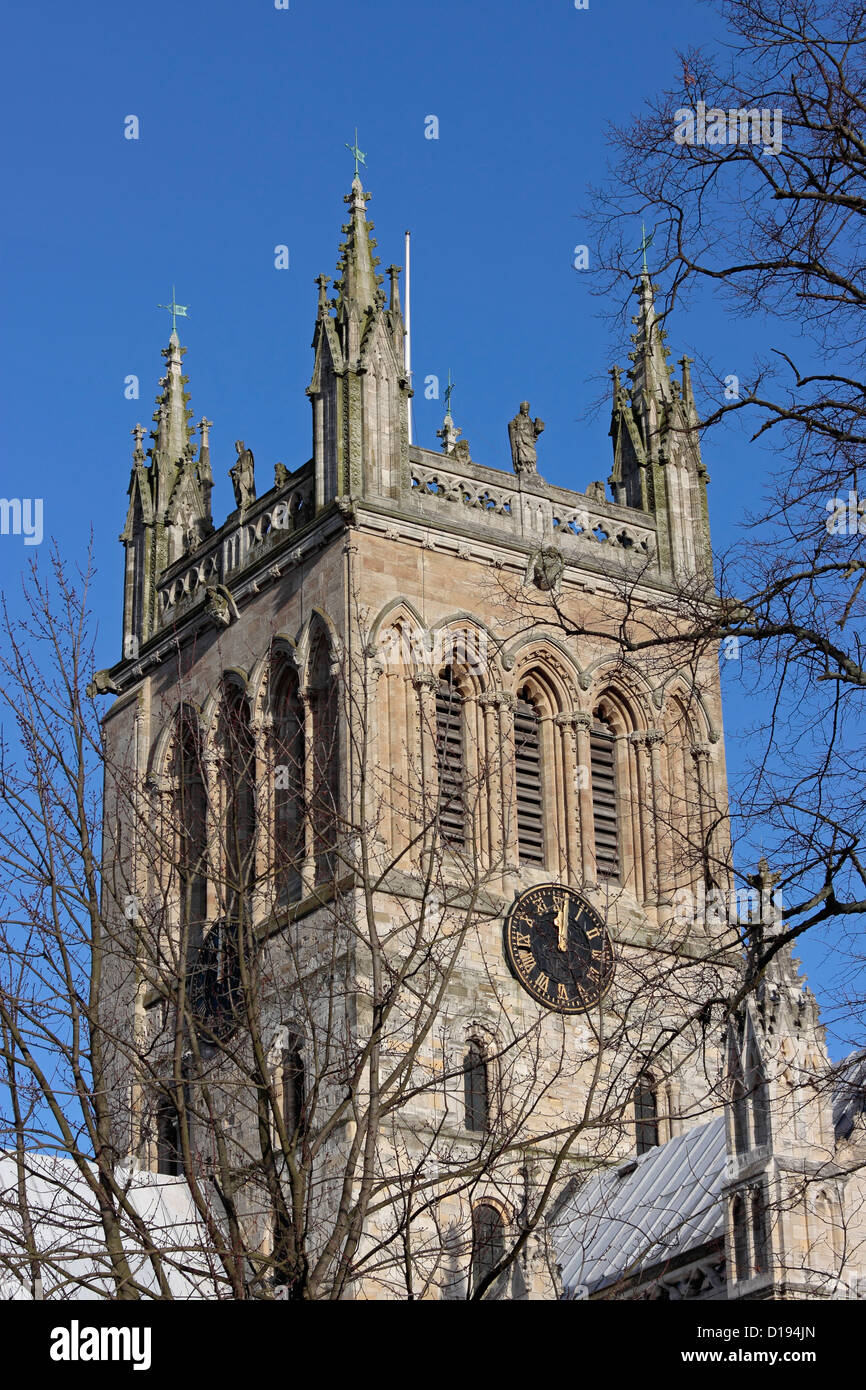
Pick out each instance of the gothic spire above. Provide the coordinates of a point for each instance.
(359, 283)
(172, 418)
(650, 375)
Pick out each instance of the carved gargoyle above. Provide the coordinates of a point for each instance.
(220, 605)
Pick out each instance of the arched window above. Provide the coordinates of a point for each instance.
(238, 769)
(488, 1248)
(190, 815)
(760, 1245)
(646, 1117)
(739, 1219)
(288, 758)
(529, 781)
(168, 1150)
(450, 760)
(741, 1117)
(324, 809)
(476, 1089)
(758, 1097)
(293, 1086)
(605, 818)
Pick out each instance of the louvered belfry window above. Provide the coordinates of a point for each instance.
(602, 752)
(450, 761)
(530, 802)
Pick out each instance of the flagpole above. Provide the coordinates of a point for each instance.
(407, 337)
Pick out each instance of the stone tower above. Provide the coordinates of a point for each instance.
(383, 700)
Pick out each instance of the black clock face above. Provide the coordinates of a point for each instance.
(214, 983)
(558, 948)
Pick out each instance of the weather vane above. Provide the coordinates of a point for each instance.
(358, 153)
(645, 242)
(177, 311)
(448, 389)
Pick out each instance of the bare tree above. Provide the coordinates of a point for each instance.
(238, 972)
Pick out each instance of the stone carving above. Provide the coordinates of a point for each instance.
(523, 433)
(596, 492)
(547, 568)
(461, 451)
(102, 684)
(281, 474)
(243, 476)
(220, 605)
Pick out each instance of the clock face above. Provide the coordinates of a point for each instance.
(558, 948)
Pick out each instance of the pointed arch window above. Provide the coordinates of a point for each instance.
(739, 1223)
(476, 1088)
(450, 760)
(325, 790)
(488, 1248)
(758, 1098)
(646, 1114)
(760, 1234)
(238, 756)
(190, 814)
(529, 780)
(293, 1088)
(605, 815)
(288, 758)
(168, 1150)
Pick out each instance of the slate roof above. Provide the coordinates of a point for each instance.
(645, 1211)
(70, 1238)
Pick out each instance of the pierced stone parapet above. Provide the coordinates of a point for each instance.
(531, 509)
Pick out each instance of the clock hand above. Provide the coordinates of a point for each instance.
(562, 923)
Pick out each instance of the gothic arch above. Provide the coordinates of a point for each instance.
(691, 697)
(547, 653)
(318, 623)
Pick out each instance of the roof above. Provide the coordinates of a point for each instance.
(627, 1219)
(70, 1240)
(849, 1093)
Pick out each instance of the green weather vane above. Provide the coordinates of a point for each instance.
(645, 242)
(177, 311)
(448, 389)
(359, 154)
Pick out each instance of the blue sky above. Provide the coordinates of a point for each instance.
(244, 111)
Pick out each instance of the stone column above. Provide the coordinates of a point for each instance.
(308, 868)
(567, 724)
(701, 755)
(582, 726)
(508, 806)
(648, 870)
(662, 852)
(488, 705)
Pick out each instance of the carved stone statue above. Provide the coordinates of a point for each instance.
(243, 476)
(596, 492)
(523, 433)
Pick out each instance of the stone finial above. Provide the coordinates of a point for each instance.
(523, 435)
(281, 475)
(394, 272)
(323, 281)
(138, 432)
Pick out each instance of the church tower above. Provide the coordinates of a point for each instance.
(400, 818)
